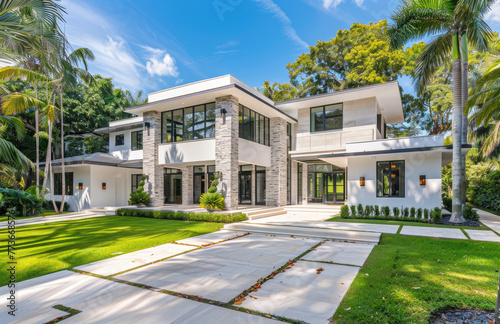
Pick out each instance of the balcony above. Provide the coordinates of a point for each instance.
(334, 140)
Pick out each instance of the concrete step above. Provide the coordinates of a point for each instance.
(255, 211)
(267, 214)
(322, 233)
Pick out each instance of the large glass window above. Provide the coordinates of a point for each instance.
(119, 140)
(253, 126)
(326, 118)
(391, 179)
(188, 123)
(58, 183)
(136, 140)
(136, 179)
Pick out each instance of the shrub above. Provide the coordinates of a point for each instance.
(139, 196)
(48, 205)
(200, 217)
(360, 210)
(386, 211)
(395, 211)
(19, 203)
(377, 211)
(353, 211)
(215, 183)
(484, 185)
(419, 213)
(344, 211)
(426, 213)
(212, 201)
(368, 210)
(412, 212)
(470, 213)
(436, 215)
(447, 202)
(406, 212)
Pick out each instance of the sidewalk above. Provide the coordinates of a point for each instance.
(19, 221)
(489, 219)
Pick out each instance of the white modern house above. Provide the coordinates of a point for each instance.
(324, 149)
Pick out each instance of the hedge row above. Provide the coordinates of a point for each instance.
(384, 213)
(199, 217)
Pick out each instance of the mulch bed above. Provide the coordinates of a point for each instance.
(463, 316)
(468, 222)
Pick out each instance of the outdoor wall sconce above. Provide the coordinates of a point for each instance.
(223, 112)
(362, 181)
(80, 186)
(393, 175)
(104, 186)
(147, 125)
(422, 180)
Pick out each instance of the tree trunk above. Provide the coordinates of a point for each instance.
(457, 207)
(465, 120)
(51, 174)
(37, 138)
(63, 169)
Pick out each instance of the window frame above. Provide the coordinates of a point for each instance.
(138, 178)
(402, 191)
(253, 126)
(186, 130)
(58, 183)
(136, 133)
(123, 139)
(341, 115)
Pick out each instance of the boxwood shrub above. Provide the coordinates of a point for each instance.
(199, 217)
(384, 213)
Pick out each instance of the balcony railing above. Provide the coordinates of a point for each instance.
(332, 140)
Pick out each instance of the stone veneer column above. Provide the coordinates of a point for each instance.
(151, 138)
(187, 185)
(253, 182)
(226, 149)
(276, 174)
(304, 184)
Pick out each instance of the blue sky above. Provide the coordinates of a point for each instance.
(156, 44)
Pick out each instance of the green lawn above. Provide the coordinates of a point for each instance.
(447, 273)
(45, 212)
(391, 222)
(47, 248)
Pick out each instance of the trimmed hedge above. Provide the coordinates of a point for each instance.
(384, 213)
(198, 217)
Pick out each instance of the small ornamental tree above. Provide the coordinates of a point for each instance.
(139, 197)
(212, 200)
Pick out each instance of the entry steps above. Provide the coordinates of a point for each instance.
(256, 213)
(326, 210)
(322, 233)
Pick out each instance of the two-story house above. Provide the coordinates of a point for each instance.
(330, 148)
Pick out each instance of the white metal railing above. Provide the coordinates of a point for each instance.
(332, 140)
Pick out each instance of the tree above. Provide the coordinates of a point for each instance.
(456, 24)
(355, 57)
(281, 91)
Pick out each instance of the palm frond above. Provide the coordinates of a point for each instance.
(16, 123)
(8, 72)
(18, 102)
(11, 156)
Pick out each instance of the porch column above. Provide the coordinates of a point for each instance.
(151, 138)
(187, 185)
(294, 183)
(276, 174)
(252, 194)
(226, 148)
(304, 183)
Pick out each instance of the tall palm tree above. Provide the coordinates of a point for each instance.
(455, 24)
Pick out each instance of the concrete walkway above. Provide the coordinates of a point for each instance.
(489, 219)
(19, 221)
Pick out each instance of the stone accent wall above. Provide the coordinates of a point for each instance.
(151, 139)
(276, 174)
(227, 149)
(304, 184)
(187, 185)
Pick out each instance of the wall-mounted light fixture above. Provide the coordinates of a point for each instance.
(393, 175)
(362, 181)
(104, 186)
(80, 186)
(147, 125)
(223, 112)
(422, 180)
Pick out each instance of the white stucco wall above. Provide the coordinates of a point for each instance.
(124, 152)
(187, 152)
(416, 164)
(118, 186)
(254, 153)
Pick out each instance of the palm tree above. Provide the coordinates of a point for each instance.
(484, 104)
(456, 24)
(131, 101)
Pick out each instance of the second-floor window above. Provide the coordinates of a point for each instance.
(119, 140)
(253, 126)
(326, 118)
(189, 123)
(136, 140)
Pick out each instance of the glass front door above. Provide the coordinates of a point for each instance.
(260, 186)
(326, 187)
(172, 186)
(198, 186)
(245, 188)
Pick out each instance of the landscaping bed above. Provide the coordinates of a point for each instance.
(200, 217)
(408, 279)
(46, 248)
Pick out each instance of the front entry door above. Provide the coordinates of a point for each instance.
(172, 186)
(333, 187)
(245, 188)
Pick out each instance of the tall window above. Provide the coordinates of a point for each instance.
(253, 126)
(391, 179)
(189, 123)
(58, 183)
(119, 140)
(326, 118)
(136, 140)
(136, 179)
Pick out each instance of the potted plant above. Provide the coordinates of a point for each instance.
(139, 197)
(212, 200)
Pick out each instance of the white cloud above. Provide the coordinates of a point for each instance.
(227, 52)
(228, 44)
(288, 30)
(179, 81)
(494, 14)
(327, 4)
(165, 67)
